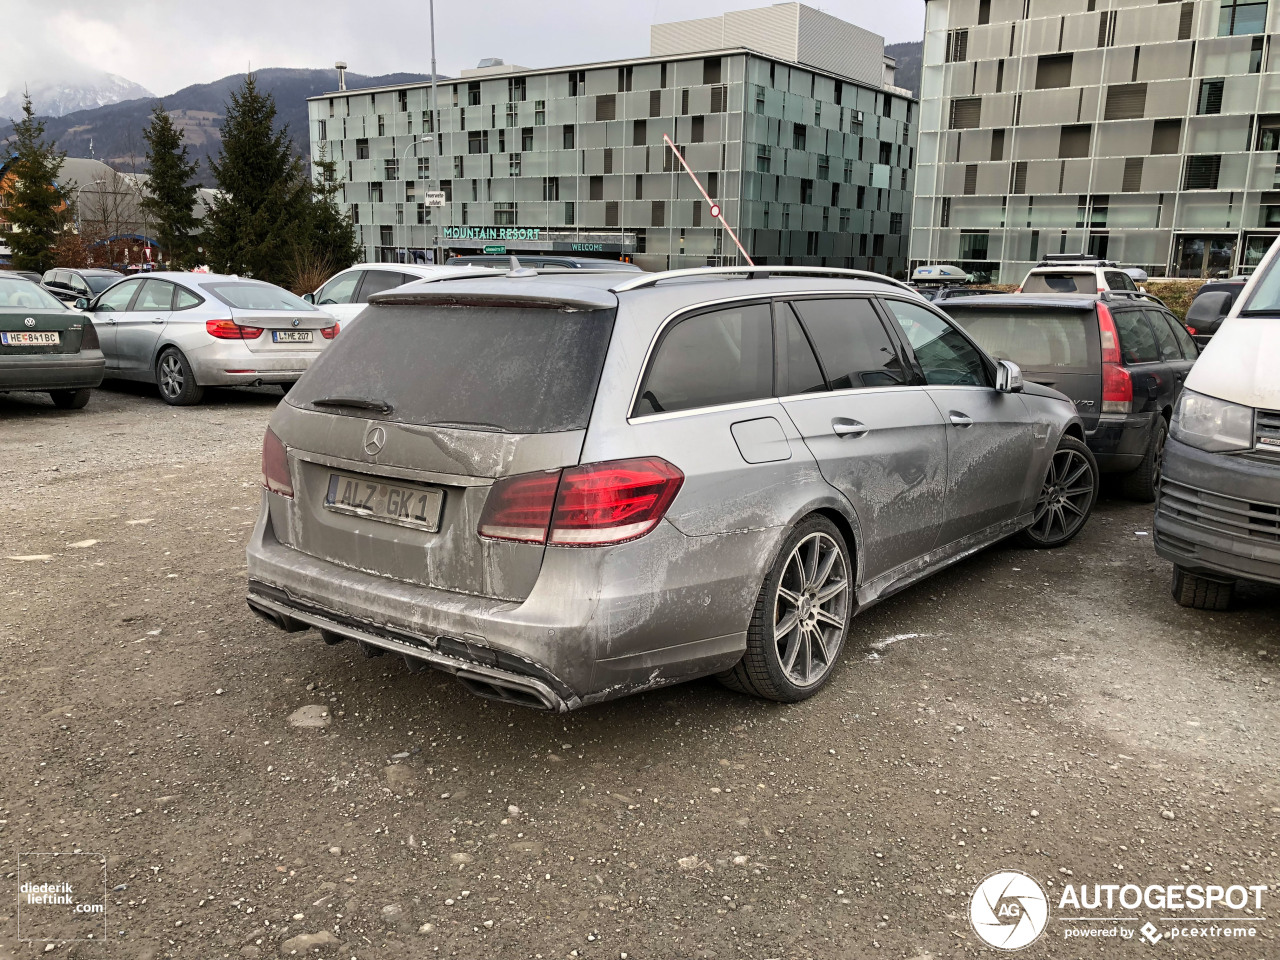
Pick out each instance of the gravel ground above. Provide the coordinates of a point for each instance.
(1051, 712)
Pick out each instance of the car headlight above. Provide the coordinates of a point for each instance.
(1208, 423)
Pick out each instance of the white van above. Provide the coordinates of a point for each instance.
(1218, 510)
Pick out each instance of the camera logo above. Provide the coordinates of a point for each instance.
(1009, 910)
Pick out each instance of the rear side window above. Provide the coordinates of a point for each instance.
(1061, 283)
(852, 343)
(1137, 343)
(505, 369)
(1189, 349)
(725, 356)
(1169, 349)
(1035, 339)
(1118, 280)
(186, 300)
(376, 281)
(799, 367)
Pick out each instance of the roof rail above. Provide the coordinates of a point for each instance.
(653, 279)
(1131, 295)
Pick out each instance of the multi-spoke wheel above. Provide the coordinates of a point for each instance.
(176, 379)
(1067, 497)
(801, 618)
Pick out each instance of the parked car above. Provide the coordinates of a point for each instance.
(1121, 357)
(46, 347)
(345, 294)
(24, 274)
(1210, 306)
(70, 285)
(501, 261)
(187, 331)
(1218, 514)
(951, 292)
(1068, 274)
(565, 488)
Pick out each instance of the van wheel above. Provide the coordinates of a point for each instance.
(176, 380)
(1066, 498)
(70, 399)
(801, 618)
(1143, 483)
(1200, 593)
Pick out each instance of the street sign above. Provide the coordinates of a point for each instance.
(433, 198)
(715, 211)
(495, 248)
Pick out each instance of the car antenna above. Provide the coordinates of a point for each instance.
(519, 271)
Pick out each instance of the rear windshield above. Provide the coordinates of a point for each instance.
(247, 295)
(1060, 283)
(1041, 339)
(509, 369)
(15, 292)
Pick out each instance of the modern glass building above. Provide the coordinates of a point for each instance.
(1143, 131)
(809, 165)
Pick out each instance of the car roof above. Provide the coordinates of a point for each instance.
(92, 271)
(417, 269)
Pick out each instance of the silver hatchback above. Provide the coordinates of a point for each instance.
(568, 488)
(187, 331)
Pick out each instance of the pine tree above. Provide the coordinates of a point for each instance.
(330, 237)
(261, 212)
(171, 192)
(37, 205)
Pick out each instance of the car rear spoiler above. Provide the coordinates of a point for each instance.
(501, 293)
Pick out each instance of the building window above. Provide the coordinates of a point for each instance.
(606, 106)
(478, 141)
(806, 191)
(1238, 17)
(713, 184)
(684, 101)
(799, 134)
(595, 188)
(513, 165)
(895, 223)
(862, 197)
(568, 213)
(355, 213)
(764, 157)
(824, 167)
(1255, 54)
(886, 154)
(848, 171)
(844, 220)
(759, 99)
(375, 192)
(1186, 19)
(515, 88)
(400, 213)
(428, 123)
(504, 214)
(697, 131)
(984, 11)
(550, 188)
(1166, 136)
(1054, 71)
(424, 168)
(386, 234)
(639, 186)
(957, 45)
(382, 125)
(639, 133)
(392, 169)
(970, 179)
(1074, 141)
(323, 130)
(457, 167)
(1132, 182)
(402, 100)
(513, 113)
(473, 94)
(424, 213)
(1269, 132)
(966, 113)
(997, 144)
(526, 138)
(607, 160)
(1202, 172)
(719, 98)
(1019, 177)
(1107, 28)
(711, 68)
(973, 244)
(625, 76)
(362, 149)
(944, 215)
(568, 136)
(1210, 97)
(539, 113)
(1269, 210)
(1126, 101)
(658, 214)
(611, 213)
(577, 83)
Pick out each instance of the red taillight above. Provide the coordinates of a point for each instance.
(1190, 329)
(275, 465)
(330, 332)
(1117, 385)
(590, 505)
(230, 330)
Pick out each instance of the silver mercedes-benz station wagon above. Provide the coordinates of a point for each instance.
(572, 487)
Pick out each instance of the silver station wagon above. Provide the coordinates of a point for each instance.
(568, 488)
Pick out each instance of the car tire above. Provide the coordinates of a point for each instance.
(1201, 593)
(70, 399)
(1143, 483)
(176, 380)
(1066, 498)
(793, 664)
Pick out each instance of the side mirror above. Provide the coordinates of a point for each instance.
(309, 297)
(1209, 308)
(82, 303)
(1008, 377)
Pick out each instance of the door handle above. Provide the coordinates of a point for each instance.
(844, 427)
(960, 420)
(157, 320)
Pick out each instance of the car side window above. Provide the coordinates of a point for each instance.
(341, 289)
(185, 300)
(724, 356)
(797, 364)
(117, 298)
(375, 281)
(1165, 340)
(156, 295)
(1119, 280)
(1189, 349)
(853, 345)
(945, 356)
(77, 285)
(1137, 342)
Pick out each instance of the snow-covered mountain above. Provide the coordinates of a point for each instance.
(55, 99)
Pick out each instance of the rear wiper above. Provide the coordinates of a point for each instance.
(357, 403)
(467, 425)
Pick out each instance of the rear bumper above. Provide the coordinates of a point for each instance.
(599, 623)
(231, 363)
(1219, 516)
(1119, 443)
(51, 371)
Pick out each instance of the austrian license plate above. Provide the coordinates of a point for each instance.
(27, 338)
(291, 336)
(409, 505)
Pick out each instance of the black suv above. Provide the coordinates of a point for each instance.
(70, 285)
(1122, 357)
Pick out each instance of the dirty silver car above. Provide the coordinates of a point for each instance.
(568, 488)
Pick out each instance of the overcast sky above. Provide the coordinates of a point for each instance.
(166, 45)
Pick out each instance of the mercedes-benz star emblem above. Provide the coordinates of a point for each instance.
(375, 439)
(30, 321)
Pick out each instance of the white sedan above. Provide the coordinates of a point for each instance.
(346, 294)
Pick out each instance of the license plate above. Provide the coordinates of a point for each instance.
(291, 336)
(26, 338)
(408, 505)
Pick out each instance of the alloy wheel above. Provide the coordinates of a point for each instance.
(1065, 499)
(811, 609)
(171, 377)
